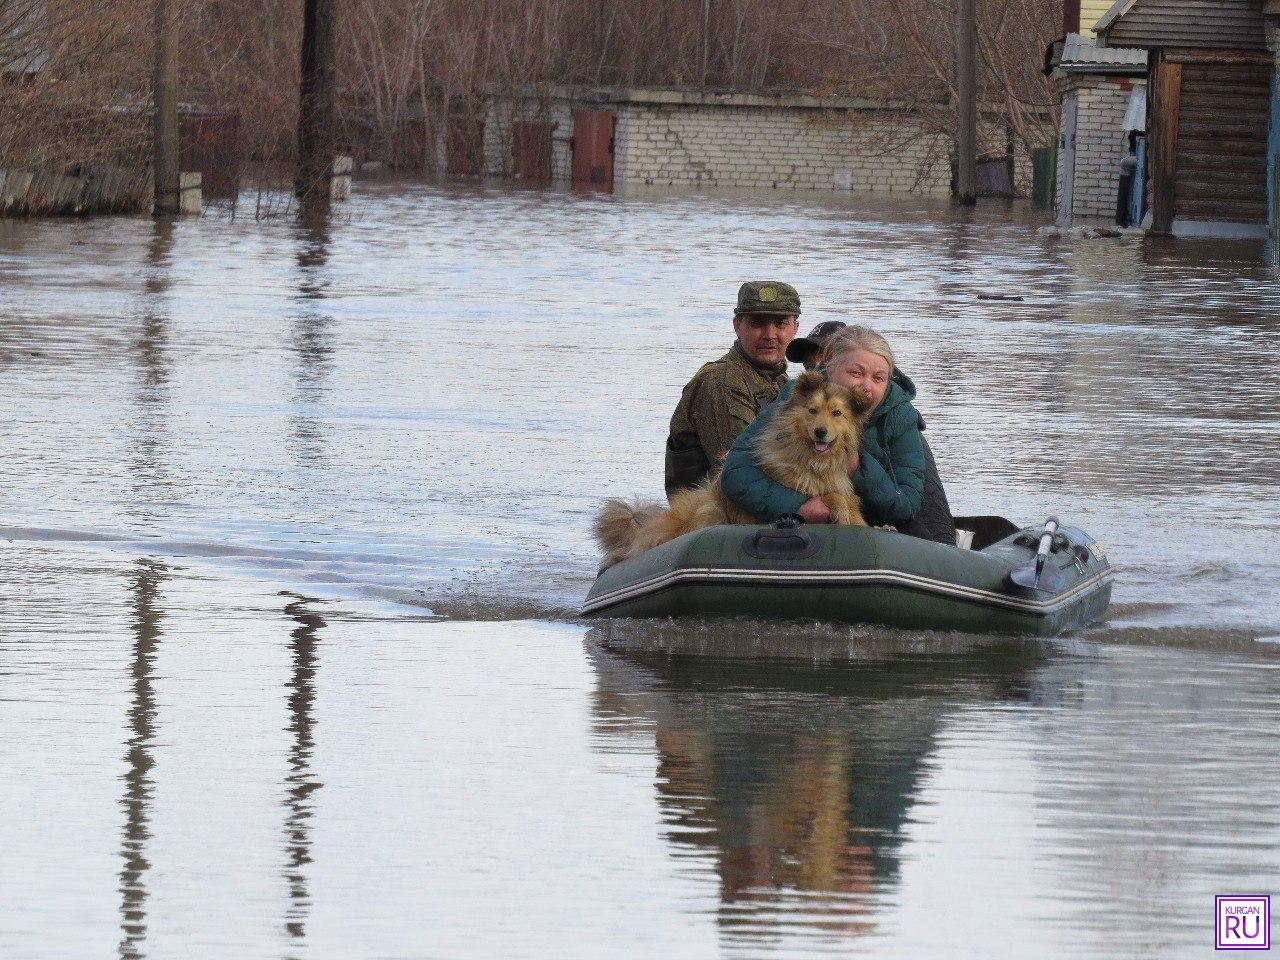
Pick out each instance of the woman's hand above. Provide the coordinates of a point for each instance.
(814, 510)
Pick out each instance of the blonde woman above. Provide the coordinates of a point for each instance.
(889, 473)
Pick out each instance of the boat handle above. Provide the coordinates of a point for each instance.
(1046, 544)
(794, 543)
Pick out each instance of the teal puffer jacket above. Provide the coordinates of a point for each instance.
(890, 476)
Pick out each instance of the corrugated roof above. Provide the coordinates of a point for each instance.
(1082, 55)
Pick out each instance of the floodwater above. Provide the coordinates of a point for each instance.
(294, 528)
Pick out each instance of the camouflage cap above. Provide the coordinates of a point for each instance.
(767, 296)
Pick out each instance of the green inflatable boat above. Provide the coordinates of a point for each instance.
(1042, 580)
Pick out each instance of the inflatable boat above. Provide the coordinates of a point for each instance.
(1042, 580)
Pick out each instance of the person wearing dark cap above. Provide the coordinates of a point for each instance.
(726, 394)
(806, 350)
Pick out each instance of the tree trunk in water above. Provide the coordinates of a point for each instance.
(316, 113)
(966, 103)
(164, 94)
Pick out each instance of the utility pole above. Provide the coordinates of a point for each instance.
(966, 103)
(706, 38)
(164, 94)
(316, 108)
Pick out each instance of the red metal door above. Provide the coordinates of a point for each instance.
(210, 143)
(593, 146)
(531, 147)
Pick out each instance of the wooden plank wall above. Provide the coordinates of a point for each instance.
(1090, 12)
(1166, 88)
(1222, 142)
(1221, 24)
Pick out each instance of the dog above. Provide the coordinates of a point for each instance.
(806, 446)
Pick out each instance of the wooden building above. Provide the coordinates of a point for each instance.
(1211, 81)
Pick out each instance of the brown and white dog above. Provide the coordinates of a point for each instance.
(806, 446)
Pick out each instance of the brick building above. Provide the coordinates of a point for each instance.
(1102, 126)
(739, 140)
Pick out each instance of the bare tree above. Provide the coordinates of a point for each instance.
(77, 90)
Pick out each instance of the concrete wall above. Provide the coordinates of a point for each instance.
(1100, 145)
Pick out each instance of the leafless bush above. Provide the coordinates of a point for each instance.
(68, 82)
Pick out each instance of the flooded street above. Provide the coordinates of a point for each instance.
(294, 531)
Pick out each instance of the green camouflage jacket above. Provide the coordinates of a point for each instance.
(716, 405)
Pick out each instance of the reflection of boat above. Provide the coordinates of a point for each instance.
(862, 575)
(795, 781)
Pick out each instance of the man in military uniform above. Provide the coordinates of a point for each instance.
(726, 394)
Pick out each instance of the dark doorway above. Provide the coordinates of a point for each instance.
(464, 145)
(531, 149)
(413, 146)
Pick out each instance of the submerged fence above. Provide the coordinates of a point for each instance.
(96, 188)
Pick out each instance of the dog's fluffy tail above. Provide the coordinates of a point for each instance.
(618, 524)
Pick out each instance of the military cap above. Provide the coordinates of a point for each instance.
(767, 296)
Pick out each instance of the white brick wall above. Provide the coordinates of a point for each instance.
(738, 140)
(784, 147)
(1100, 145)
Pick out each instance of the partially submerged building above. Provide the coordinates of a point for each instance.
(730, 139)
(1170, 117)
(1101, 134)
(1212, 117)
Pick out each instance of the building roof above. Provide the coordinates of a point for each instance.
(1118, 10)
(1082, 55)
(1223, 24)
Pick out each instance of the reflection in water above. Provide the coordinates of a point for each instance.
(148, 455)
(311, 340)
(796, 778)
(150, 450)
(145, 583)
(300, 783)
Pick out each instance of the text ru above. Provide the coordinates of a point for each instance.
(1238, 926)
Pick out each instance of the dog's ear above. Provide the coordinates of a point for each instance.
(808, 383)
(859, 402)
